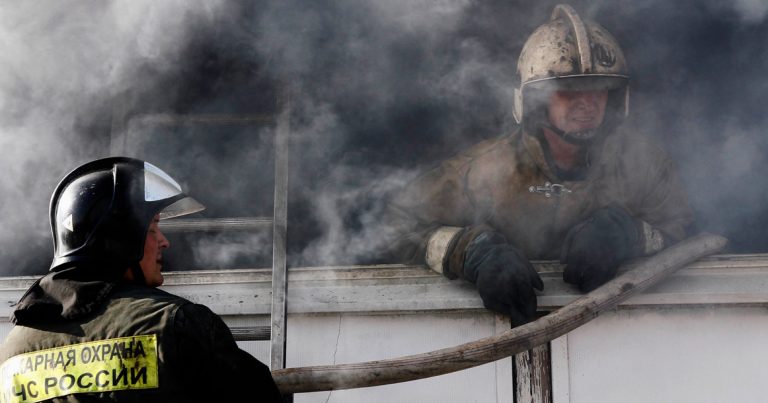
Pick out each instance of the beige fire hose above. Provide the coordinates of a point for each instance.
(641, 275)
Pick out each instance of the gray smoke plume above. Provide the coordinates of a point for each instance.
(751, 11)
(381, 92)
(368, 76)
(61, 63)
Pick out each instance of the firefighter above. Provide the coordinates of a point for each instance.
(571, 183)
(96, 328)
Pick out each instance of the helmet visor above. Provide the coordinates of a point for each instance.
(580, 82)
(181, 207)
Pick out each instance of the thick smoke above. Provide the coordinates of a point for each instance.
(751, 11)
(380, 92)
(374, 82)
(61, 63)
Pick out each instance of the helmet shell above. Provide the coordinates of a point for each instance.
(101, 211)
(568, 53)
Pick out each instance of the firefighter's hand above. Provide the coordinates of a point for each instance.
(504, 277)
(594, 249)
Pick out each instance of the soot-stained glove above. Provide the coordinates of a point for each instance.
(505, 279)
(595, 248)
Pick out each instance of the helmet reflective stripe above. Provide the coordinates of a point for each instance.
(582, 42)
(158, 185)
(68, 223)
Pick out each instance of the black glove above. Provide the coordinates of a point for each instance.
(504, 278)
(594, 249)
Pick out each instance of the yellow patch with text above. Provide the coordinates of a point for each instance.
(97, 366)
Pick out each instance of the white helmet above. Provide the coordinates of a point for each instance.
(568, 53)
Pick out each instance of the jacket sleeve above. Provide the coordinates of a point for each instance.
(663, 204)
(213, 362)
(431, 211)
(667, 205)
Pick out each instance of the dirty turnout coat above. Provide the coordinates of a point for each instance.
(510, 184)
(94, 341)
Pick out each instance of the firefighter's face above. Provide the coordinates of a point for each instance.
(152, 262)
(576, 111)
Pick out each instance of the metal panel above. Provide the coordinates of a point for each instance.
(504, 373)
(701, 355)
(560, 372)
(257, 348)
(216, 224)
(343, 338)
(279, 233)
(251, 333)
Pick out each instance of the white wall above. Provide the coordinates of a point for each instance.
(697, 355)
(348, 338)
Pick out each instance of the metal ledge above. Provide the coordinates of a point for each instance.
(718, 280)
(217, 224)
(257, 333)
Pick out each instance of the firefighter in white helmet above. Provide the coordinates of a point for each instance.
(570, 184)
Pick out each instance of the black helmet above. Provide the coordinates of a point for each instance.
(101, 211)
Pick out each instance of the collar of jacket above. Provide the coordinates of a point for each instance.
(539, 153)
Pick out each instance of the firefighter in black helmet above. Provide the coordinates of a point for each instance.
(572, 183)
(96, 328)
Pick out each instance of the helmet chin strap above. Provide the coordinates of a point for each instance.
(581, 138)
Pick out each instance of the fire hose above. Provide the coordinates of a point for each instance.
(640, 275)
